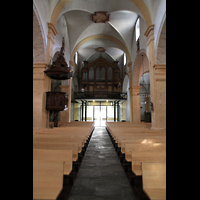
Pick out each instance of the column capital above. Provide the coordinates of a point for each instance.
(71, 63)
(39, 65)
(149, 33)
(53, 28)
(160, 72)
(129, 64)
(38, 71)
(135, 90)
(149, 29)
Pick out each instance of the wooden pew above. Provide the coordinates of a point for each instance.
(59, 139)
(126, 144)
(84, 133)
(47, 179)
(155, 152)
(154, 180)
(143, 136)
(55, 155)
(58, 146)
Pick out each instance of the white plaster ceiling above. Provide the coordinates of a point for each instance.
(78, 16)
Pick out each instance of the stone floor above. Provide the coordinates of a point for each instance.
(101, 176)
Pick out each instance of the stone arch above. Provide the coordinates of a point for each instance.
(39, 50)
(138, 3)
(141, 65)
(161, 47)
(102, 36)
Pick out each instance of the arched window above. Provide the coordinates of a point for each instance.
(124, 58)
(76, 58)
(137, 29)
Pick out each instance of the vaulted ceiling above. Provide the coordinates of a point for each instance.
(81, 27)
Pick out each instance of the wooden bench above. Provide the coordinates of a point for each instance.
(59, 139)
(47, 179)
(143, 136)
(122, 132)
(55, 155)
(58, 146)
(155, 152)
(126, 144)
(154, 180)
(83, 133)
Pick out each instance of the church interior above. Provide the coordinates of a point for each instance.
(99, 99)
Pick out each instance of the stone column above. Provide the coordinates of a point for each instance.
(86, 111)
(160, 96)
(65, 114)
(50, 41)
(155, 71)
(130, 84)
(135, 90)
(41, 85)
(149, 33)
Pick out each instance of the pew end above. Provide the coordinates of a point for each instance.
(154, 180)
(47, 179)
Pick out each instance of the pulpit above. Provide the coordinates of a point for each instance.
(59, 70)
(56, 101)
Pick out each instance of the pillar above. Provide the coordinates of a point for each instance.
(135, 90)
(160, 96)
(114, 111)
(118, 109)
(86, 111)
(82, 111)
(130, 84)
(66, 114)
(41, 85)
(156, 71)
(50, 41)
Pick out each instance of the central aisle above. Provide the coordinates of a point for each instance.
(101, 176)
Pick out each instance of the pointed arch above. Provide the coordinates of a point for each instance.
(102, 36)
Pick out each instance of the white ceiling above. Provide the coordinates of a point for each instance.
(78, 16)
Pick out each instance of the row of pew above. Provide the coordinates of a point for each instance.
(57, 156)
(142, 152)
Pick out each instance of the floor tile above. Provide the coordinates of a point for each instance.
(101, 176)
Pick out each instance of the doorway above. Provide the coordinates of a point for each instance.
(100, 115)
